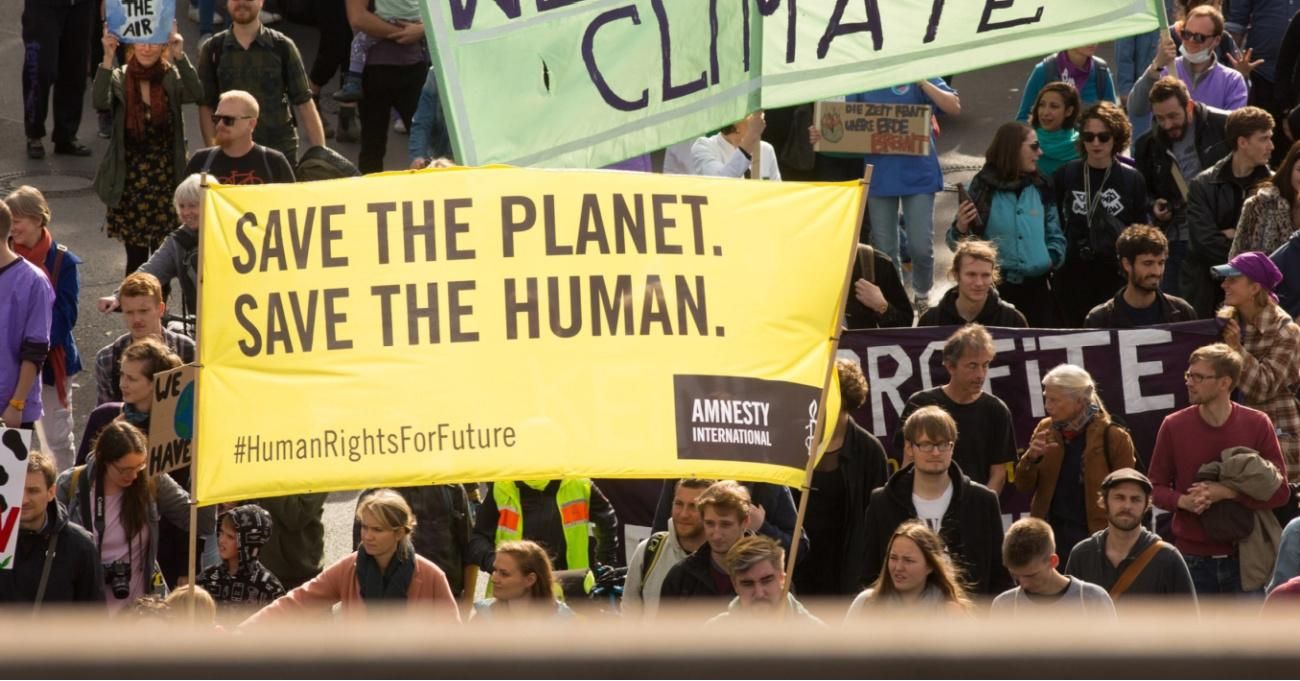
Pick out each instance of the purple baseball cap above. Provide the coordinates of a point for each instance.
(1254, 266)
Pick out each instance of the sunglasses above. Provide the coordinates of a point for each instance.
(126, 470)
(1089, 137)
(1035, 146)
(218, 119)
(1199, 37)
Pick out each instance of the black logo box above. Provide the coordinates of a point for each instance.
(782, 440)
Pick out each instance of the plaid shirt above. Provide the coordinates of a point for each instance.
(1269, 377)
(108, 357)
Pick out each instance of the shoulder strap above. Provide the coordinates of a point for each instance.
(50, 550)
(653, 547)
(207, 162)
(1105, 446)
(266, 164)
(867, 262)
(1134, 569)
(60, 251)
(83, 496)
(1050, 69)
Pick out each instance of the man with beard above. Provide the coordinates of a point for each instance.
(975, 297)
(55, 561)
(266, 63)
(756, 566)
(1196, 435)
(1143, 252)
(988, 442)
(1188, 137)
(1126, 557)
(237, 158)
(658, 553)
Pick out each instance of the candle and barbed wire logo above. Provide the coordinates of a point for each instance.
(811, 428)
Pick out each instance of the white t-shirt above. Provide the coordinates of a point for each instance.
(930, 511)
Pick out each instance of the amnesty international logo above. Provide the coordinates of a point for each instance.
(732, 418)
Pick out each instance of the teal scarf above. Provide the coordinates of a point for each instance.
(1059, 148)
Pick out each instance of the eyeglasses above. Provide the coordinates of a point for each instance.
(1089, 137)
(1198, 37)
(1035, 146)
(1197, 378)
(218, 119)
(135, 470)
(929, 447)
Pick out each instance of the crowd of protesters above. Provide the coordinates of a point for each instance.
(1148, 185)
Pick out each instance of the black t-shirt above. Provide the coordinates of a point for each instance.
(1146, 316)
(262, 165)
(984, 433)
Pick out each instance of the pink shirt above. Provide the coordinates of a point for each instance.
(115, 547)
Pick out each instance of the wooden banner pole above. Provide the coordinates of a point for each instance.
(816, 439)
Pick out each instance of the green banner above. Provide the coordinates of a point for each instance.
(585, 83)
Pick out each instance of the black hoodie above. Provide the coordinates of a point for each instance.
(996, 312)
(252, 583)
(75, 575)
(971, 529)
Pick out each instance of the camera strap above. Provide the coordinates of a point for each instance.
(51, 550)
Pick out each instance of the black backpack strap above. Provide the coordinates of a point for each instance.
(207, 162)
(1050, 69)
(51, 549)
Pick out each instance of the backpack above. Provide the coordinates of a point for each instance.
(1099, 69)
(653, 546)
(323, 163)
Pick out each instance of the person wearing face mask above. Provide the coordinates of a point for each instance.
(1099, 197)
(1015, 207)
(919, 575)
(147, 151)
(1195, 63)
(1054, 118)
(1080, 67)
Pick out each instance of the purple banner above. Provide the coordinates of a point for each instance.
(1139, 375)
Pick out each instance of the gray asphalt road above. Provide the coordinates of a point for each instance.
(989, 97)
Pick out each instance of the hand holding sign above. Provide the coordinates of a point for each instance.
(176, 44)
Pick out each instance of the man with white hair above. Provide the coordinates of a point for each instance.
(237, 159)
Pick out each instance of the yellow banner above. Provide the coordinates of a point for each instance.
(505, 324)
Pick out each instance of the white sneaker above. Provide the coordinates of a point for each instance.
(268, 18)
(193, 14)
(399, 127)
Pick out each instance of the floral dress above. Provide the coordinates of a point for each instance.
(146, 214)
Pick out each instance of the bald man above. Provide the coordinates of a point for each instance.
(237, 159)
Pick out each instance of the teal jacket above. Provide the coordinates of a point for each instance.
(181, 83)
(1021, 219)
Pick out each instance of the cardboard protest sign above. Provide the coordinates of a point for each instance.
(865, 128)
(140, 21)
(643, 74)
(171, 421)
(514, 324)
(14, 446)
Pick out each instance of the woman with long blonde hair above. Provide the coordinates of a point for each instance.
(918, 574)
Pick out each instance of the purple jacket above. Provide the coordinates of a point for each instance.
(1222, 88)
(26, 308)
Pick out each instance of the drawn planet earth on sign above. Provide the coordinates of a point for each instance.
(183, 422)
(832, 127)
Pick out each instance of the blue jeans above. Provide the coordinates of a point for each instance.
(207, 9)
(1211, 576)
(918, 214)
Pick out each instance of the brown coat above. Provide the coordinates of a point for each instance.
(1040, 477)
(338, 584)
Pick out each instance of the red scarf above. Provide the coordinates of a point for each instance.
(58, 356)
(136, 122)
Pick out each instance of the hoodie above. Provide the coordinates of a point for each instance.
(971, 528)
(75, 575)
(996, 312)
(252, 583)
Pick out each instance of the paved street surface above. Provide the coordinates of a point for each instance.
(989, 98)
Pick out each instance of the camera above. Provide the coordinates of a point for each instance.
(117, 576)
